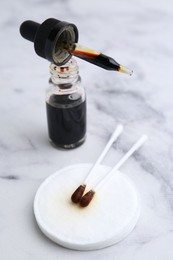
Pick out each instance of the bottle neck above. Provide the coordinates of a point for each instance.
(64, 76)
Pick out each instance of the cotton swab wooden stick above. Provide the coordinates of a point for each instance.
(77, 195)
(86, 199)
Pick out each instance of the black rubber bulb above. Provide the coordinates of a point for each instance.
(49, 37)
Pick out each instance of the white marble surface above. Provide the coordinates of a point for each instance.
(137, 34)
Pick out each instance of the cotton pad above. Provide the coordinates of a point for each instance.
(109, 218)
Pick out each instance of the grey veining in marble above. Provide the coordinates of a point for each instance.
(139, 35)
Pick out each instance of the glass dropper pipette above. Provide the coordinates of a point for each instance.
(95, 57)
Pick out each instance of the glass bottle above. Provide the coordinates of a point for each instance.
(66, 106)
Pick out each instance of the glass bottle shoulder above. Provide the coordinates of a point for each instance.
(65, 95)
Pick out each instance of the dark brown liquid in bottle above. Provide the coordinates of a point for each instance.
(66, 117)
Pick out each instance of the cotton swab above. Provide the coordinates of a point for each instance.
(77, 195)
(86, 199)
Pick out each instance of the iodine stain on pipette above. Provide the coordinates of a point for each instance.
(96, 58)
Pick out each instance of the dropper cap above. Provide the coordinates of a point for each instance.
(48, 38)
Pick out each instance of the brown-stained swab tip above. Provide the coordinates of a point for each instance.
(86, 199)
(77, 195)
